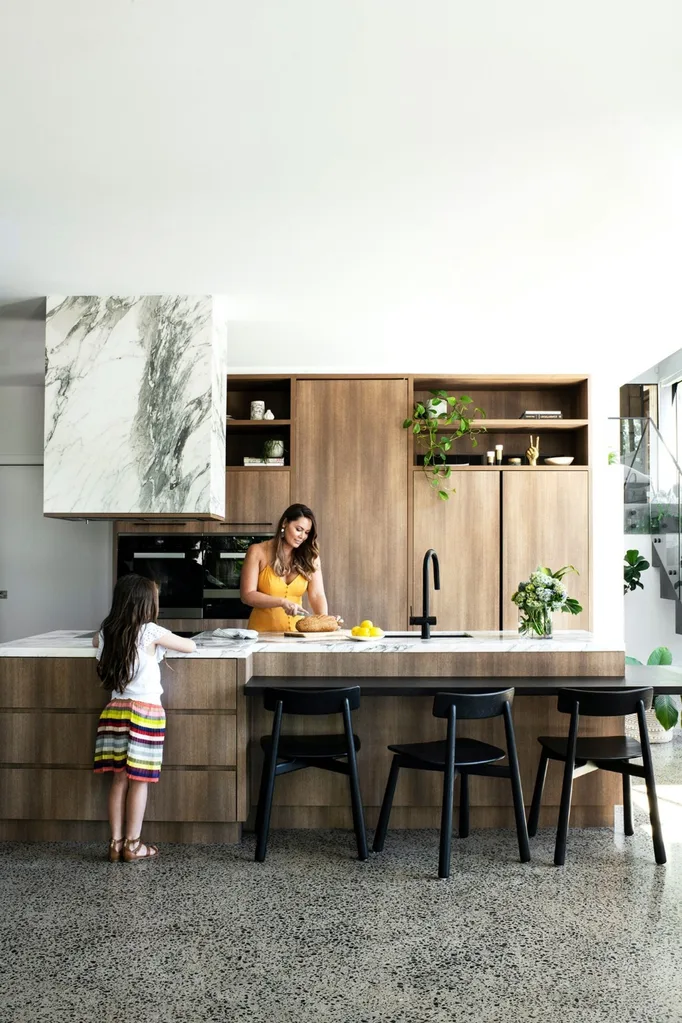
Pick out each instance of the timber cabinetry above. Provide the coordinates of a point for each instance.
(545, 521)
(254, 500)
(465, 532)
(350, 462)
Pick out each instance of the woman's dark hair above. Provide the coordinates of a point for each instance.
(135, 602)
(303, 558)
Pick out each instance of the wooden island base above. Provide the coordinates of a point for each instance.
(209, 783)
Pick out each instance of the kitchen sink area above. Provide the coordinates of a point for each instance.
(434, 635)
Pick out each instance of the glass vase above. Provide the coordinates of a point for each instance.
(536, 624)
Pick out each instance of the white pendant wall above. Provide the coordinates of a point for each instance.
(135, 406)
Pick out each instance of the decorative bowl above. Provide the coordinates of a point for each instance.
(563, 460)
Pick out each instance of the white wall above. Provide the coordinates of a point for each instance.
(58, 574)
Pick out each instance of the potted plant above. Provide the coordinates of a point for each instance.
(635, 564)
(543, 594)
(440, 411)
(662, 717)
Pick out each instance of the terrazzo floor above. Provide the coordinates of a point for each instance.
(313, 936)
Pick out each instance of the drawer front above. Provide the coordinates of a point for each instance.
(73, 794)
(68, 739)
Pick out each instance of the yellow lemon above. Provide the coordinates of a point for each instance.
(363, 631)
(366, 624)
(355, 631)
(375, 631)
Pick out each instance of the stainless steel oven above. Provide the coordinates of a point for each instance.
(223, 561)
(175, 563)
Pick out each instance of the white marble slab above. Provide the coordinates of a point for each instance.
(78, 644)
(135, 405)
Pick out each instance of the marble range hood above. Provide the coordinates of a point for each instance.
(135, 405)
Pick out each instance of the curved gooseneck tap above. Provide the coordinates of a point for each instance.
(426, 620)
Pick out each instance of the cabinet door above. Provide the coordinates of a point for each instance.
(465, 533)
(254, 501)
(351, 469)
(546, 521)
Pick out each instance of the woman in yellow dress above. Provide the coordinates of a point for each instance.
(278, 572)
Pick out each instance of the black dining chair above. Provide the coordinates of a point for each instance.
(607, 753)
(287, 753)
(460, 756)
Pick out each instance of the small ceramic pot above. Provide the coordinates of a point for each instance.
(257, 409)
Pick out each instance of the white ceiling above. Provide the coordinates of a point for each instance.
(346, 170)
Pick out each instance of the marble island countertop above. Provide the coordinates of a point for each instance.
(78, 643)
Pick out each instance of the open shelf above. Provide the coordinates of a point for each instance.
(257, 424)
(522, 425)
(510, 468)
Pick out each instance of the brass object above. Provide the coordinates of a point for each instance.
(533, 451)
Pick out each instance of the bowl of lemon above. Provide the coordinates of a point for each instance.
(366, 631)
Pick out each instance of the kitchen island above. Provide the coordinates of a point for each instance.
(50, 701)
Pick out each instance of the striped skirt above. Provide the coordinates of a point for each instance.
(130, 738)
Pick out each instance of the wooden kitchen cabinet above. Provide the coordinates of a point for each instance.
(254, 501)
(465, 533)
(350, 461)
(546, 521)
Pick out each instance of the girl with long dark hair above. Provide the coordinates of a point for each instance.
(278, 572)
(131, 727)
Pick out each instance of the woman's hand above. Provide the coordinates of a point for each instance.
(292, 609)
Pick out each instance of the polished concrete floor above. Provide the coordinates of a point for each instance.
(313, 936)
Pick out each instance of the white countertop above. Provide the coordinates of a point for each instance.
(77, 643)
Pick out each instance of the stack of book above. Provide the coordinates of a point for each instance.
(537, 414)
(263, 461)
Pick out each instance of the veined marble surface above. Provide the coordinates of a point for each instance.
(66, 643)
(135, 405)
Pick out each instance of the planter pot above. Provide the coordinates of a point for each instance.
(657, 733)
(436, 407)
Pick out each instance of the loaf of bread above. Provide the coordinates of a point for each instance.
(317, 623)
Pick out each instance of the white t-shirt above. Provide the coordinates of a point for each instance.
(145, 685)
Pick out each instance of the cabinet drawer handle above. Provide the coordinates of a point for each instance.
(227, 523)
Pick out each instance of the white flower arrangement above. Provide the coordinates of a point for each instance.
(543, 594)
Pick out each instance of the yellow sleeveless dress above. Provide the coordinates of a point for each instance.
(274, 619)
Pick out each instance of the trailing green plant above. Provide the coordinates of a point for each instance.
(664, 707)
(541, 595)
(425, 423)
(635, 564)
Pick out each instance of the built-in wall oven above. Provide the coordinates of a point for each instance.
(176, 564)
(223, 561)
(198, 576)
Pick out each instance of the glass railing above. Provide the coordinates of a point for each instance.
(652, 485)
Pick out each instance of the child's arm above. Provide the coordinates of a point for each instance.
(172, 642)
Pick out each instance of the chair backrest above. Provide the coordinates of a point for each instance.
(602, 703)
(469, 706)
(312, 701)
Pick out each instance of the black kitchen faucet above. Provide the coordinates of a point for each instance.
(426, 620)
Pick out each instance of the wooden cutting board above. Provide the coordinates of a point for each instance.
(309, 637)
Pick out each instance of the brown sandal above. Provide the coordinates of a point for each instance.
(115, 849)
(131, 850)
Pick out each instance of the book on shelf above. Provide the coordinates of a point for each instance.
(263, 461)
(541, 414)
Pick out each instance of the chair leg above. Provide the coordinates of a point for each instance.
(517, 791)
(446, 821)
(385, 813)
(463, 805)
(356, 804)
(654, 816)
(519, 811)
(627, 806)
(268, 793)
(267, 789)
(534, 815)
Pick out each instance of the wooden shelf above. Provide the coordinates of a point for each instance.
(508, 468)
(522, 425)
(258, 468)
(258, 423)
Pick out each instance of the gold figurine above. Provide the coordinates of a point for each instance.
(533, 451)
